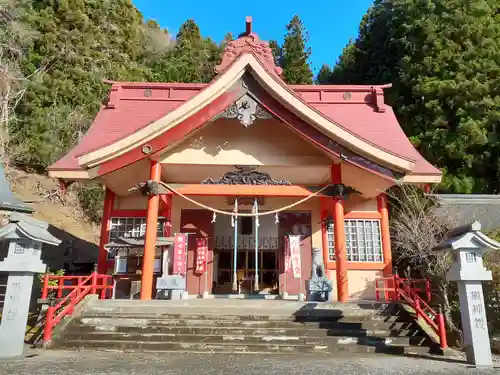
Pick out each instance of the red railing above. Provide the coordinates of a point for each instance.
(389, 286)
(81, 286)
(411, 291)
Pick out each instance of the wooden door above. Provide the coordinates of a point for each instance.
(295, 223)
(198, 223)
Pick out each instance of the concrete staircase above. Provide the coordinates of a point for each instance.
(243, 326)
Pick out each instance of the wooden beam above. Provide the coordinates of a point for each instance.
(242, 190)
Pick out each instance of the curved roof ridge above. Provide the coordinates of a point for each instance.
(249, 42)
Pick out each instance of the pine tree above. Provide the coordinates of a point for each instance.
(277, 52)
(192, 60)
(324, 75)
(77, 44)
(295, 54)
(189, 36)
(15, 40)
(443, 58)
(228, 38)
(344, 64)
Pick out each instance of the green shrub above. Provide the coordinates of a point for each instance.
(91, 198)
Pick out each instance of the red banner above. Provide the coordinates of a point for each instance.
(180, 254)
(294, 243)
(287, 254)
(201, 255)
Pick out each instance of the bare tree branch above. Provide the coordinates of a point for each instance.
(417, 226)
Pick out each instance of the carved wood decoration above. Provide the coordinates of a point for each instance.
(246, 110)
(245, 176)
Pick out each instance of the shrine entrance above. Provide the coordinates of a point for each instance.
(248, 256)
(235, 245)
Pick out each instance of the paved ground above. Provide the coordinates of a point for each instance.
(116, 363)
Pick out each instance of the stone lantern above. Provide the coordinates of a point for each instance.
(25, 236)
(467, 245)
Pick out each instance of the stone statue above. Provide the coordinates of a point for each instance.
(319, 287)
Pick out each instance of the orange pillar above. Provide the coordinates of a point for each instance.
(102, 257)
(324, 217)
(339, 235)
(150, 238)
(385, 233)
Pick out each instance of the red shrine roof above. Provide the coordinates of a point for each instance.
(360, 111)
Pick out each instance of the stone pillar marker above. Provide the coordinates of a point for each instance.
(26, 236)
(467, 245)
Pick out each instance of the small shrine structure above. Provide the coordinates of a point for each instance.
(240, 165)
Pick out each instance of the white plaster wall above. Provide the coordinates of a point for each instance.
(361, 284)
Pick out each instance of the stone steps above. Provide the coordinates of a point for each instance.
(244, 318)
(269, 348)
(247, 339)
(294, 330)
(242, 327)
(244, 310)
(124, 321)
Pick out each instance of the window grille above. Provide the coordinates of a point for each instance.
(131, 227)
(362, 239)
(331, 241)
(470, 257)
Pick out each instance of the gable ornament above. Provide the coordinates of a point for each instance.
(246, 110)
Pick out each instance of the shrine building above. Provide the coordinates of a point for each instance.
(312, 161)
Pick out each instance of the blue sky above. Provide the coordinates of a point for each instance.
(330, 23)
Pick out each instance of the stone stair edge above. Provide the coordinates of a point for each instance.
(295, 328)
(228, 316)
(248, 302)
(241, 338)
(239, 312)
(273, 347)
(255, 324)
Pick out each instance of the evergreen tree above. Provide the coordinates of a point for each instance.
(193, 59)
(324, 74)
(277, 52)
(189, 36)
(344, 64)
(15, 40)
(76, 44)
(294, 54)
(443, 58)
(228, 38)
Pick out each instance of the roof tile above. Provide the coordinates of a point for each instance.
(135, 105)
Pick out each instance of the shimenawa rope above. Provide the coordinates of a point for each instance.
(230, 213)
